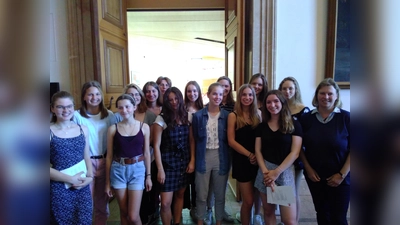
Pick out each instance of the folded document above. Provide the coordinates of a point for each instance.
(77, 168)
(282, 195)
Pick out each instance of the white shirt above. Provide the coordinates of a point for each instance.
(212, 132)
(97, 130)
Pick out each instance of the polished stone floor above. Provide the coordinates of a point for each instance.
(307, 213)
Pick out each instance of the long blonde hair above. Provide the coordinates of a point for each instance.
(253, 114)
(297, 92)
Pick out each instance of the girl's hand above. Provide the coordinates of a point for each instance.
(253, 159)
(272, 186)
(161, 176)
(76, 179)
(312, 175)
(334, 180)
(271, 176)
(149, 183)
(190, 167)
(108, 190)
(84, 182)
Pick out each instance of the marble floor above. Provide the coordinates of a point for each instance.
(307, 213)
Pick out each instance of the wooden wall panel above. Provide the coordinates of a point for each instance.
(112, 49)
(114, 65)
(80, 46)
(112, 12)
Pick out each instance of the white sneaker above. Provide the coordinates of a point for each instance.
(238, 217)
(257, 220)
(208, 220)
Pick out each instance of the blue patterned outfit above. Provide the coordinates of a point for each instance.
(68, 206)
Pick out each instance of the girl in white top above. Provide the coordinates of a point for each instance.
(94, 114)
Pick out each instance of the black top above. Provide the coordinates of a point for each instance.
(275, 145)
(302, 112)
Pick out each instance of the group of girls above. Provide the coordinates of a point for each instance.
(162, 141)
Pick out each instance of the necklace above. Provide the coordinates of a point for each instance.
(62, 129)
(129, 134)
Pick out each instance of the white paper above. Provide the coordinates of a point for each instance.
(77, 168)
(282, 195)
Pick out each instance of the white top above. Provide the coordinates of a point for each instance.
(97, 130)
(160, 121)
(212, 132)
(190, 117)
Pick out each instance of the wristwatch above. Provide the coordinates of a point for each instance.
(342, 175)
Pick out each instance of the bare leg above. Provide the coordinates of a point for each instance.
(269, 210)
(246, 190)
(134, 200)
(178, 204)
(288, 214)
(122, 198)
(166, 199)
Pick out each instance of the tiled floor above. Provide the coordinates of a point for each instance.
(307, 213)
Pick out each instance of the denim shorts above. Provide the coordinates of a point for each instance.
(286, 178)
(129, 176)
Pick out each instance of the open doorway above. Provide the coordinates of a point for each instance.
(181, 45)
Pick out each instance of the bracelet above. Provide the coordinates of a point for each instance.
(90, 176)
(249, 155)
(148, 174)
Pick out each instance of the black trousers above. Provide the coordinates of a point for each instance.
(331, 203)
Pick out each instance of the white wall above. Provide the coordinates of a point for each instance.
(301, 35)
(59, 63)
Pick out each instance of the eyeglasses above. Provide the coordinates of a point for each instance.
(61, 107)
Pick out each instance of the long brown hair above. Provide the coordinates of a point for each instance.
(264, 91)
(102, 107)
(171, 115)
(285, 118)
(253, 114)
(153, 84)
(199, 101)
(297, 93)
